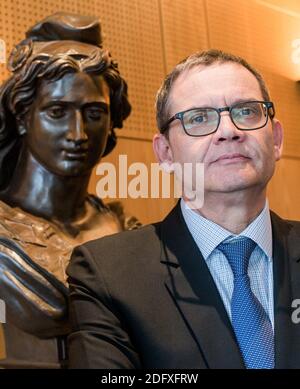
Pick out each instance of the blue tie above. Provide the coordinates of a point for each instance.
(251, 324)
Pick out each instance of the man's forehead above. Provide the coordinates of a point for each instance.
(215, 80)
(216, 69)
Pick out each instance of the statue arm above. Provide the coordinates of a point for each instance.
(36, 302)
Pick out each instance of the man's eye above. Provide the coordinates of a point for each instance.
(56, 112)
(198, 119)
(248, 111)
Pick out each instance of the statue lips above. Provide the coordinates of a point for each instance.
(75, 153)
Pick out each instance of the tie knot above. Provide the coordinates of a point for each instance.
(238, 254)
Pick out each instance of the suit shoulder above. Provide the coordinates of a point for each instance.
(293, 229)
(116, 256)
(294, 223)
(286, 227)
(140, 240)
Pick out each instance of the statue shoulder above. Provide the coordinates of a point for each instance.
(37, 239)
(116, 208)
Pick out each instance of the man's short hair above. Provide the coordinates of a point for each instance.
(204, 58)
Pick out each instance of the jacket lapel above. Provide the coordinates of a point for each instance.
(194, 292)
(286, 269)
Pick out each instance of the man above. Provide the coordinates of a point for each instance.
(58, 112)
(210, 287)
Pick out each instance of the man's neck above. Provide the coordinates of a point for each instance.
(234, 212)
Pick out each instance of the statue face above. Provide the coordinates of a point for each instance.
(68, 123)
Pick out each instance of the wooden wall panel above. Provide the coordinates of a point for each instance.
(184, 29)
(286, 95)
(263, 36)
(283, 191)
(133, 35)
(147, 210)
(255, 30)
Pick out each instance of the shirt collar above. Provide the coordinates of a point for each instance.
(208, 235)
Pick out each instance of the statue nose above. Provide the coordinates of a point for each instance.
(77, 132)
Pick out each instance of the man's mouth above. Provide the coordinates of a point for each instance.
(231, 158)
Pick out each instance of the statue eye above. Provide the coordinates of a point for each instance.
(56, 111)
(94, 113)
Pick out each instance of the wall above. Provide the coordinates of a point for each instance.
(148, 37)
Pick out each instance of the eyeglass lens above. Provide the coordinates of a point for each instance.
(247, 116)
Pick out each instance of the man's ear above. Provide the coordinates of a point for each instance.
(277, 138)
(163, 151)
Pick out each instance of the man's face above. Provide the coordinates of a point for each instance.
(233, 159)
(68, 123)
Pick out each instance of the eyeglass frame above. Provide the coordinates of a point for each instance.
(179, 116)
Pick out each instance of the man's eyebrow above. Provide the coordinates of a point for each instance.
(245, 100)
(234, 102)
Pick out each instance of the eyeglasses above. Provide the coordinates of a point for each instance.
(246, 116)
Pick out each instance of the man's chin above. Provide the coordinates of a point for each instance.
(230, 186)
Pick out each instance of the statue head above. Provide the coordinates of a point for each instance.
(60, 56)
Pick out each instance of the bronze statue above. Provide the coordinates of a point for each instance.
(58, 112)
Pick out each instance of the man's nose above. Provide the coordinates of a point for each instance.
(227, 130)
(77, 133)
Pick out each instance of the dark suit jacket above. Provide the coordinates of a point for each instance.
(146, 298)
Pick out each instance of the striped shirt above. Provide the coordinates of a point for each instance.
(208, 235)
